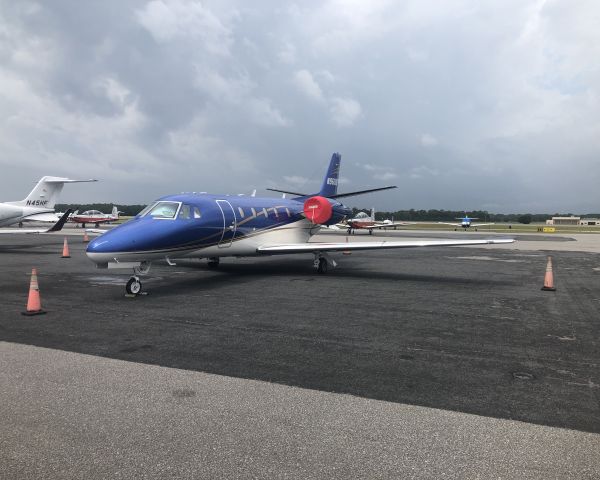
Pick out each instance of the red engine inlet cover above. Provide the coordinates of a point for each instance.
(318, 209)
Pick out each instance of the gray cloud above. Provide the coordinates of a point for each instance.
(463, 105)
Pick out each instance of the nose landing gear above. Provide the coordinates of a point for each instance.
(134, 286)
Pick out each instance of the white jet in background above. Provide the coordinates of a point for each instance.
(39, 204)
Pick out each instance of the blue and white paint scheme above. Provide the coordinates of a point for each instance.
(214, 226)
(466, 222)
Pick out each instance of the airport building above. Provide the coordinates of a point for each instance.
(564, 221)
(574, 221)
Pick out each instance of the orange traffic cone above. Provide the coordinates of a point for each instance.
(85, 237)
(34, 305)
(66, 249)
(549, 278)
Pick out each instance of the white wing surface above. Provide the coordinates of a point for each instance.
(391, 225)
(22, 230)
(54, 228)
(42, 217)
(452, 224)
(342, 247)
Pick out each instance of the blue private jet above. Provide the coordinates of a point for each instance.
(213, 226)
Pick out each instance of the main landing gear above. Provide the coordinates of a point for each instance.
(213, 262)
(322, 263)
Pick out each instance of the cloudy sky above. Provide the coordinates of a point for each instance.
(464, 104)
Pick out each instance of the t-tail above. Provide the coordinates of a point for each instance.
(46, 192)
(330, 182)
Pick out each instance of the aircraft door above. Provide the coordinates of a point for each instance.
(229, 223)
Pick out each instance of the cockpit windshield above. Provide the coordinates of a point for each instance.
(362, 215)
(161, 210)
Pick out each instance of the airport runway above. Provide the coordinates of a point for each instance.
(422, 363)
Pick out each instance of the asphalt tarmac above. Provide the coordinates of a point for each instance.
(417, 363)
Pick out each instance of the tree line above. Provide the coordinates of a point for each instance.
(411, 215)
(434, 215)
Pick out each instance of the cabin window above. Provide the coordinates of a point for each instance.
(241, 212)
(197, 212)
(164, 210)
(185, 212)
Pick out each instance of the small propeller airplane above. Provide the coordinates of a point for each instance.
(213, 226)
(39, 204)
(94, 216)
(368, 222)
(466, 222)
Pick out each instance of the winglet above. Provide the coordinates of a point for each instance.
(57, 227)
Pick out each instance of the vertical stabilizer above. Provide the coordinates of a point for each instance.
(115, 212)
(46, 192)
(330, 183)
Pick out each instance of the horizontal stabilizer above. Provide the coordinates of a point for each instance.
(67, 180)
(337, 195)
(288, 192)
(361, 192)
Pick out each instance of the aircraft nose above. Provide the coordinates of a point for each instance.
(106, 243)
(111, 246)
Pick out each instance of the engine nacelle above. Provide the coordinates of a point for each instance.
(318, 209)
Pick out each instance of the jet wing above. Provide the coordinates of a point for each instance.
(42, 217)
(391, 225)
(451, 224)
(343, 247)
(481, 224)
(54, 228)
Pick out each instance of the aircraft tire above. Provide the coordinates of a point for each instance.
(322, 268)
(134, 286)
(213, 262)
